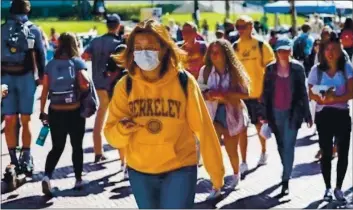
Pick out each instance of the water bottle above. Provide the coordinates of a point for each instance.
(43, 135)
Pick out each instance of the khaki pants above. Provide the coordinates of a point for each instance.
(100, 118)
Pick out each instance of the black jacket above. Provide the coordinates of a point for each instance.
(299, 110)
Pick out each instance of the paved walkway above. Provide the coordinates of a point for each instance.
(108, 190)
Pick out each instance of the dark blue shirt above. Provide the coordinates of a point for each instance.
(100, 50)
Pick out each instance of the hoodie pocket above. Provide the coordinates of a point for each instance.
(157, 154)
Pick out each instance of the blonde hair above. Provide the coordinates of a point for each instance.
(174, 56)
(238, 74)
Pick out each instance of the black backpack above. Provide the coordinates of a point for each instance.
(299, 48)
(182, 76)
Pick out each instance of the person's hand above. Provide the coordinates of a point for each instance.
(4, 90)
(328, 100)
(262, 120)
(128, 126)
(44, 118)
(216, 95)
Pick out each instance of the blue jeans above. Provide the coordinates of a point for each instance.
(286, 138)
(20, 99)
(171, 190)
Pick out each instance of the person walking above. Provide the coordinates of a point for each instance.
(195, 48)
(22, 66)
(226, 79)
(286, 104)
(64, 81)
(99, 51)
(254, 54)
(155, 113)
(332, 111)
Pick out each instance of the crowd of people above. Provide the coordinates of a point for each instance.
(167, 99)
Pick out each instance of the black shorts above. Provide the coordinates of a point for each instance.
(254, 110)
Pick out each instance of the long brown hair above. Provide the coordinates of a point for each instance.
(239, 77)
(174, 57)
(67, 46)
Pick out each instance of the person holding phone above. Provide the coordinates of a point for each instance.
(156, 112)
(332, 111)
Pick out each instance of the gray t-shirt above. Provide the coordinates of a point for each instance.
(100, 50)
(338, 81)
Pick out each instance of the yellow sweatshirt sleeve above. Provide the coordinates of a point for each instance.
(201, 124)
(118, 109)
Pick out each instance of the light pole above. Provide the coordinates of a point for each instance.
(227, 9)
(294, 17)
(196, 13)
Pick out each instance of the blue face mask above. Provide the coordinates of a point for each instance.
(147, 60)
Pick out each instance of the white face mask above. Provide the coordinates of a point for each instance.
(147, 60)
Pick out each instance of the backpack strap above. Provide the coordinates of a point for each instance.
(128, 84)
(318, 75)
(261, 44)
(183, 79)
(206, 74)
(182, 76)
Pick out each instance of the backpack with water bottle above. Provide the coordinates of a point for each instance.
(63, 85)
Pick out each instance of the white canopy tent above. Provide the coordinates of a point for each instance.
(304, 7)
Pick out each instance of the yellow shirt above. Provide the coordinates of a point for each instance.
(170, 123)
(248, 52)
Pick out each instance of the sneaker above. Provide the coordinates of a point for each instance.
(46, 186)
(26, 166)
(328, 195)
(234, 182)
(263, 159)
(285, 188)
(243, 168)
(339, 195)
(214, 194)
(80, 184)
(10, 176)
(99, 158)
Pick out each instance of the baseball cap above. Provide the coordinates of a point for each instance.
(220, 31)
(283, 43)
(113, 18)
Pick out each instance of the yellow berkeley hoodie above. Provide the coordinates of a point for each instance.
(170, 123)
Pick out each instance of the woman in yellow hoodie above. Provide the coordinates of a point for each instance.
(156, 113)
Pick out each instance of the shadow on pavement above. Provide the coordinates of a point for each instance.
(64, 172)
(93, 187)
(211, 204)
(331, 205)
(123, 192)
(306, 169)
(306, 141)
(243, 176)
(34, 202)
(259, 201)
(106, 148)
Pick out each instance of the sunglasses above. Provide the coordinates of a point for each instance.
(241, 27)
